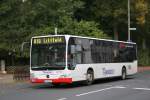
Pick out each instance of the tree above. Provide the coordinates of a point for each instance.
(109, 13)
(19, 21)
(141, 7)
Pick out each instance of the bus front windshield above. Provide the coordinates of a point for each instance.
(48, 56)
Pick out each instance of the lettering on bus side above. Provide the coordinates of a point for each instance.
(107, 71)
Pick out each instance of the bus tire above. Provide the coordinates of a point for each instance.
(124, 73)
(89, 77)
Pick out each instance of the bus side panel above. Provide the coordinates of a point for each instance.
(132, 68)
(114, 69)
(107, 70)
(100, 71)
(79, 73)
(103, 70)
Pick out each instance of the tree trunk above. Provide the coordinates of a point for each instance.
(143, 44)
(115, 32)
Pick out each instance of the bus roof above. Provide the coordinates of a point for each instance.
(84, 38)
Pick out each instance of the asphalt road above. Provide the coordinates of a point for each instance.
(134, 88)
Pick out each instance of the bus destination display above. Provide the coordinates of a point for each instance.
(48, 40)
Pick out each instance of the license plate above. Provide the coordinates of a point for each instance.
(48, 81)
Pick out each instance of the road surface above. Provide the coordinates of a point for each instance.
(134, 88)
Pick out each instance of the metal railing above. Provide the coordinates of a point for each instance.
(19, 72)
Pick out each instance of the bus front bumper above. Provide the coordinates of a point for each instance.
(58, 80)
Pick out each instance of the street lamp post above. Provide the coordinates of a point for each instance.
(129, 38)
(55, 30)
(129, 23)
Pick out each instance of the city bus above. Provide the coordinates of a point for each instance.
(66, 59)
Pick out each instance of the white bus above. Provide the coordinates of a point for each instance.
(65, 59)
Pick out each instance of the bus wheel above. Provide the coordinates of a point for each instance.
(124, 73)
(89, 77)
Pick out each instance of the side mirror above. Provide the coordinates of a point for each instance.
(27, 44)
(25, 47)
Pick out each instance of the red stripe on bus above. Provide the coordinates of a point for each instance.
(59, 80)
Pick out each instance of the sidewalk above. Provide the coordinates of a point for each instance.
(6, 78)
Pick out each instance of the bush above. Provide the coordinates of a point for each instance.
(144, 57)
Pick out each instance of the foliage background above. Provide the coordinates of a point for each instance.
(19, 21)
